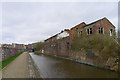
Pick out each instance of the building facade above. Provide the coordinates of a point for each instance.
(60, 44)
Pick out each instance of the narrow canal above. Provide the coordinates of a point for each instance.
(53, 67)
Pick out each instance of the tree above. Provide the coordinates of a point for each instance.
(37, 46)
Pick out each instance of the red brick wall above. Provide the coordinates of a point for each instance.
(73, 30)
(61, 46)
(105, 23)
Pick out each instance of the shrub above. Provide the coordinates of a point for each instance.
(103, 44)
(37, 46)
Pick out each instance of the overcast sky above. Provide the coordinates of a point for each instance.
(36, 21)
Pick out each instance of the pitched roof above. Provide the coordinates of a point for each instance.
(78, 25)
(57, 34)
(98, 21)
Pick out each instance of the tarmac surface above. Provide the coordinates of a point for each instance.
(21, 67)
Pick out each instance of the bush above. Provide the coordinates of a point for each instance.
(37, 46)
(102, 44)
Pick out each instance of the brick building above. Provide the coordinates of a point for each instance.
(60, 44)
(102, 26)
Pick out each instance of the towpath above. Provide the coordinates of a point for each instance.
(21, 67)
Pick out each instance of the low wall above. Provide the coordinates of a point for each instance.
(7, 52)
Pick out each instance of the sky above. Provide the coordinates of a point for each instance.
(28, 22)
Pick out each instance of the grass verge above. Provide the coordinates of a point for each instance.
(5, 62)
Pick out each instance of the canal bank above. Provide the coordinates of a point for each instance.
(84, 62)
(55, 67)
(34, 70)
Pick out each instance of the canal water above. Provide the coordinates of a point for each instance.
(54, 67)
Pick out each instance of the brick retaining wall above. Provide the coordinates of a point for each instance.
(7, 52)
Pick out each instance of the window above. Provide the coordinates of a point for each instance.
(89, 31)
(111, 32)
(68, 45)
(101, 31)
(80, 33)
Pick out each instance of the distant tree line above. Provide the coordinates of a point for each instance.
(37, 46)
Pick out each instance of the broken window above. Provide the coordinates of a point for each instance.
(111, 32)
(101, 31)
(89, 31)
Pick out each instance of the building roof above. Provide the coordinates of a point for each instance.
(98, 21)
(78, 25)
(58, 33)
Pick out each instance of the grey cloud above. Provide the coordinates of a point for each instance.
(31, 22)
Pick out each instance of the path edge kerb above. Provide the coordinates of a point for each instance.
(36, 67)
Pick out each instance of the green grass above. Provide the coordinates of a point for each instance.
(8, 60)
(0, 65)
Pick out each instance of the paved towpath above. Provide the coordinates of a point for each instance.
(17, 68)
(21, 67)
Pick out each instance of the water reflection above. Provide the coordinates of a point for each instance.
(53, 67)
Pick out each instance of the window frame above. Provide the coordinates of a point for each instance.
(101, 30)
(111, 32)
(89, 31)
